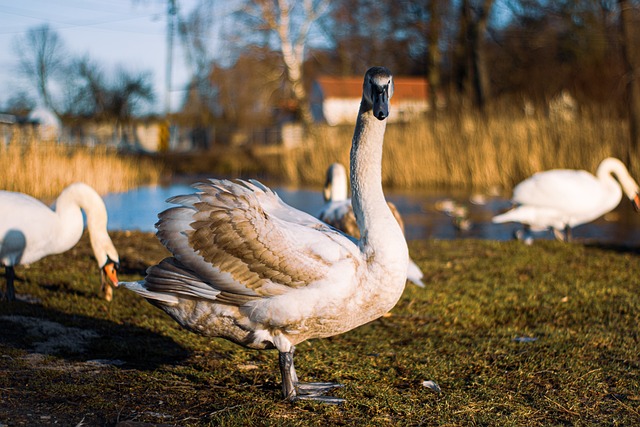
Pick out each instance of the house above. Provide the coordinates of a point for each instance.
(335, 100)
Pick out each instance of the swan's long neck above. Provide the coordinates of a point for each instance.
(614, 166)
(380, 233)
(68, 229)
(68, 209)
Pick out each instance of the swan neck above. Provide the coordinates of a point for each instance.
(378, 227)
(366, 166)
(79, 197)
(612, 166)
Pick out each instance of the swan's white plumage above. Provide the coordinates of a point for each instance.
(30, 230)
(337, 211)
(251, 269)
(562, 198)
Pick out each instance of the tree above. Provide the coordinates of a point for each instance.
(19, 103)
(632, 62)
(290, 22)
(430, 21)
(247, 92)
(41, 56)
(194, 33)
(93, 94)
(368, 32)
(472, 74)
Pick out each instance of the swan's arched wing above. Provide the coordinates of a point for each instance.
(561, 189)
(240, 239)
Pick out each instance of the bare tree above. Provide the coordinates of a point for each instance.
(434, 57)
(41, 56)
(482, 83)
(19, 103)
(632, 62)
(472, 75)
(291, 26)
(194, 30)
(93, 93)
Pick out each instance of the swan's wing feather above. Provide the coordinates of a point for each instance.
(241, 239)
(561, 189)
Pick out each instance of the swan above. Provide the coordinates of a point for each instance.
(338, 212)
(30, 230)
(564, 198)
(251, 269)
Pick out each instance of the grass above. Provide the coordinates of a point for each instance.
(43, 170)
(466, 150)
(469, 150)
(545, 335)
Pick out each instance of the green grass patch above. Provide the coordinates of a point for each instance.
(545, 335)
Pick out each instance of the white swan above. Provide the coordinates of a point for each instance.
(30, 230)
(338, 212)
(251, 269)
(563, 198)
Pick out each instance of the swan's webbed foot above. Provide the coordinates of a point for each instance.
(316, 391)
(293, 390)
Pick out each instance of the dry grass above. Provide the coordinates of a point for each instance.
(469, 150)
(44, 169)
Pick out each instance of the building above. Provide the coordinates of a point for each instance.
(335, 100)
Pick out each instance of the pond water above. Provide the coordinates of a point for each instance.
(421, 210)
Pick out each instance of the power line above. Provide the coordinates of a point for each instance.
(82, 23)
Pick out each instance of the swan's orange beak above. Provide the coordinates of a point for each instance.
(636, 202)
(109, 279)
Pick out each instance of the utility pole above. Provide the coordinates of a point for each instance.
(171, 13)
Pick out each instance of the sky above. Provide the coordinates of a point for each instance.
(128, 33)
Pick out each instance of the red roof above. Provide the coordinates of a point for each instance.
(404, 88)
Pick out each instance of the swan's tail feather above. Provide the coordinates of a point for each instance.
(139, 288)
(504, 217)
(414, 274)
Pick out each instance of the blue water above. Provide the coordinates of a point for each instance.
(138, 209)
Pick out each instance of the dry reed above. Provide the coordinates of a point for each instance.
(470, 150)
(43, 170)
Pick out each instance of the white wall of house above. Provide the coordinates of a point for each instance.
(344, 111)
(340, 111)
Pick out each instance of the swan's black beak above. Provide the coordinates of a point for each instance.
(109, 278)
(381, 102)
(636, 202)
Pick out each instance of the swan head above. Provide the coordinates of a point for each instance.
(335, 185)
(378, 90)
(104, 251)
(109, 277)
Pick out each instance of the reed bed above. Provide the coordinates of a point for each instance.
(43, 170)
(469, 150)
